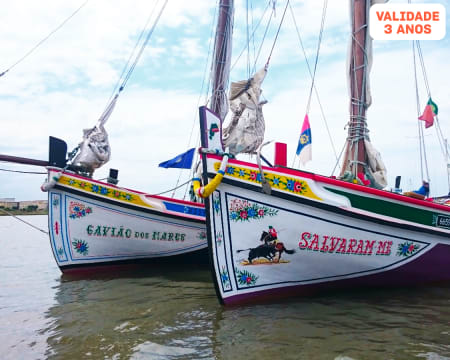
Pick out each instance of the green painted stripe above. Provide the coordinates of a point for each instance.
(388, 208)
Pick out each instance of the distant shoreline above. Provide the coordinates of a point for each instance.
(23, 212)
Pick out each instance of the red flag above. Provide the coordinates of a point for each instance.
(427, 116)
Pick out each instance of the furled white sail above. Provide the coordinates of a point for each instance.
(94, 149)
(222, 58)
(376, 166)
(360, 152)
(245, 132)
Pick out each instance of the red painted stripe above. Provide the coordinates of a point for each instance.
(343, 184)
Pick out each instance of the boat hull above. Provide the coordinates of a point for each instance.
(94, 226)
(324, 241)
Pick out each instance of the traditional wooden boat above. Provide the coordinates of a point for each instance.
(275, 231)
(95, 224)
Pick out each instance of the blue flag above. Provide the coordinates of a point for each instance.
(182, 161)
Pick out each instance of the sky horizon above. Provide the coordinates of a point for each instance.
(65, 84)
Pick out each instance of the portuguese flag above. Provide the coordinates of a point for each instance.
(433, 105)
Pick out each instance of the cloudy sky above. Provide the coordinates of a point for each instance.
(64, 85)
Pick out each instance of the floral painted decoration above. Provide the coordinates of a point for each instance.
(245, 277)
(97, 189)
(216, 203)
(407, 249)
(80, 246)
(78, 210)
(277, 181)
(243, 210)
(219, 238)
(224, 277)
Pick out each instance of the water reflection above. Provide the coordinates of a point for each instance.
(173, 313)
(164, 316)
(146, 314)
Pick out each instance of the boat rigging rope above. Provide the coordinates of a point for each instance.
(195, 118)
(313, 76)
(315, 90)
(252, 36)
(24, 172)
(422, 149)
(26, 222)
(44, 39)
(112, 102)
(276, 36)
(440, 135)
(138, 56)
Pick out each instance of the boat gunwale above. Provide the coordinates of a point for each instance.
(159, 197)
(339, 183)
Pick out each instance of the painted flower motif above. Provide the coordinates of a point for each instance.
(224, 277)
(83, 185)
(78, 210)
(216, 204)
(80, 246)
(241, 173)
(290, 185)
(219, 238)
(104, 191)
(258, 177)
(116, 194)
(297, 186)
(245, 277)
(253, 175)
(276, 181)
(230, 170)
(95, 188)
(71, 181)
(128, 197)
(251, 212)
(407, 249)
(242, 210)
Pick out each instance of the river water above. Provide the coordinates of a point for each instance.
(170, 313)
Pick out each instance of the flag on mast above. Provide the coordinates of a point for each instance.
(431, 110)
(304, 147)
(182, 161)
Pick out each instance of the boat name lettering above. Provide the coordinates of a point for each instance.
(443, 221)
(340, 245)
(114, 232)
(168, 236)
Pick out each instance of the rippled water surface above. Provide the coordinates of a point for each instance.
(172, 313)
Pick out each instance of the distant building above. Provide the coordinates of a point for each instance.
(41, 204)
(11, 203)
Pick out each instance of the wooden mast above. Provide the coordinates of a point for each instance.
(355, 156)
(22, 160)
(222, 56)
